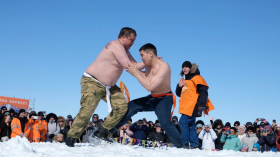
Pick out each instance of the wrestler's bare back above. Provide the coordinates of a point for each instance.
(150, 72)
(106, 68)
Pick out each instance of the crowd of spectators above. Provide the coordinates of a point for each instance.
(38, 127)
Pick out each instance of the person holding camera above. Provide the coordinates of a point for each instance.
(5, 127)
(208, 137)
(193, 90)
(268, 140)
(158, 135)
(262, 120)
(139, 130)
(125, 132)
(231, 141)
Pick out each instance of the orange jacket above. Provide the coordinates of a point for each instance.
(43, 127)
(33, 136)
(189, 96)
(16, 128)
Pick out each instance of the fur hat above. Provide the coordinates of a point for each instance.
(251, 128)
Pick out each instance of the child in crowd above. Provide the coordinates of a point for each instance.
(256, 147)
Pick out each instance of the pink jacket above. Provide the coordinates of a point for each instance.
(128, 133)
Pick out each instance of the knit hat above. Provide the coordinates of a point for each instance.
(278, 125)
(244, 145)
(187, 64)
(199, 125)
(236, 122)
(233, 128)
(242, 127)
(248, 123)
(32, 113)
(40, 114)
(69, 116)
(251, 128)
(267, 127)
(158, 125)
(90, 122)
(262, 125)
(6, 113)
(70, 119)
(20, 111)
(256, 145)
(228, 124)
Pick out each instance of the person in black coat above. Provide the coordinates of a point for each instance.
(3, 109)
(158, 135)
(5, 127)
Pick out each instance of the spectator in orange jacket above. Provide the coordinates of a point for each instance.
(20, 126)
(43, 126)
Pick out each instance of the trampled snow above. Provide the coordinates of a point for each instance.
(21, 147)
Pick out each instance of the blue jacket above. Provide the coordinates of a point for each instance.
(232, 142)
(267, 142)
(139, 132)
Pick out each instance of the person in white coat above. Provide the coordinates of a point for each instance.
(53, 127)
(208, 137)
(241, 132)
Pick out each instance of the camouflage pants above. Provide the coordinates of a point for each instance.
(92, 92)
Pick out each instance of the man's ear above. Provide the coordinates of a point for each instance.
(151, 53)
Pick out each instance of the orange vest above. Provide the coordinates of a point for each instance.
(189, 96)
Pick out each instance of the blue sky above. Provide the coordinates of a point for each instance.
(46, 46)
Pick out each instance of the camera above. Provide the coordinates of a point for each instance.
(228, 132)
(260, 119)
(264, 130)
(35, 117)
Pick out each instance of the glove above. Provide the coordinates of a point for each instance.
(200, 109)
(51, 136)
(24, 136)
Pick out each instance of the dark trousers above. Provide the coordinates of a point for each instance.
(162, 107)
(188, 131)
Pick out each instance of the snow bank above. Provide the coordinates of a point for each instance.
(21, 147)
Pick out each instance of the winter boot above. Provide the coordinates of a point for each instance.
(70, 141)
(102, 134)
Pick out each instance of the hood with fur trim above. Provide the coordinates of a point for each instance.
(63, 119)
(193, 72)
(218, 122)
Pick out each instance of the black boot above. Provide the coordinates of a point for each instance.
(102, 134)
(70, 141)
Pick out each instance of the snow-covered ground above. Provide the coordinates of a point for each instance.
(21, 147)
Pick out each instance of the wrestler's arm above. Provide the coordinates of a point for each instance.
(150, 85)
(139, 65)
(120, 54)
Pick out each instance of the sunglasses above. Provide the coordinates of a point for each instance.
(4, 109)
(60, 121)
(94, 117)
(236, 125)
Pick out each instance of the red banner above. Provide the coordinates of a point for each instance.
(14, 103)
